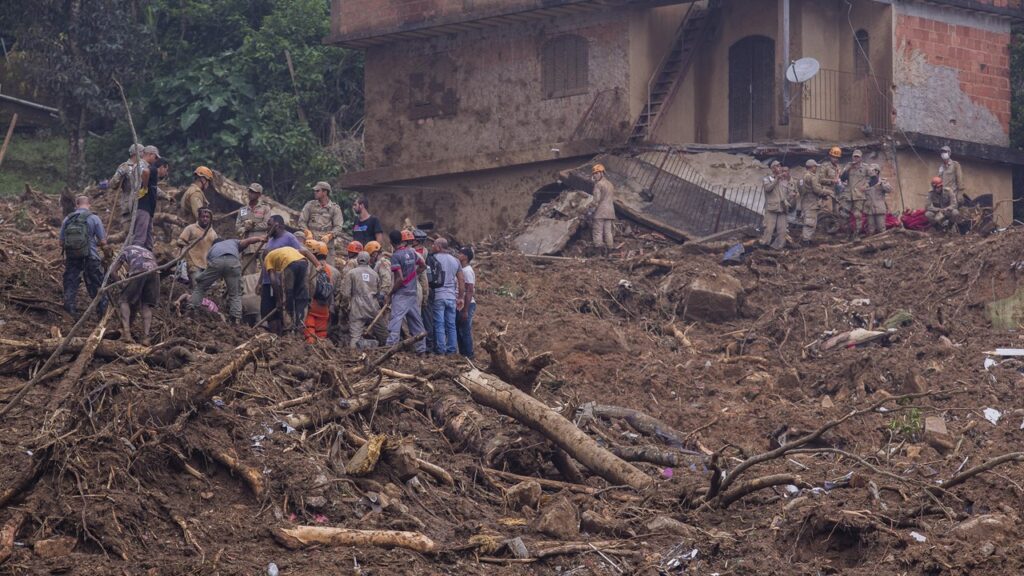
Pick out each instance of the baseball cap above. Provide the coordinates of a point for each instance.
(151, 150)
(362, 257)
(321, 185)
(256, 187)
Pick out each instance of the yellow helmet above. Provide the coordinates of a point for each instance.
(597, 168)
(835, 152)
(204, 172)
(372, 247)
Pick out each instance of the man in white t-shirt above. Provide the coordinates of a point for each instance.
(464, 321)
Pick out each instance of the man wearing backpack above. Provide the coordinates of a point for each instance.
(324, 286)
(80, 235)
(447, 284)
(360, 289)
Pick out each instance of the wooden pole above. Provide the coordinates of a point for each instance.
(7, 139)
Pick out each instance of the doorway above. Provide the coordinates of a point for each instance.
(751, 88)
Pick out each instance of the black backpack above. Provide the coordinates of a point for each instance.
(76, 235)
(435, 274)
(323, 290)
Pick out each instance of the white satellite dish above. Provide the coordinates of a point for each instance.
(802, 70)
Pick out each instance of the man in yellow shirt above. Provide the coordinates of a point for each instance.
(288, 267)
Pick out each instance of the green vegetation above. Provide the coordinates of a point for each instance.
(208, 81)
(38, 159)
(907, 425)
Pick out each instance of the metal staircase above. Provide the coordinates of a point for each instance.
(696, 27)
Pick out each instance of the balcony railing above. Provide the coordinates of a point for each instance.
(847, 98)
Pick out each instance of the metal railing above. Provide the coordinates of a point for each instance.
(683, 197)
(847, 98)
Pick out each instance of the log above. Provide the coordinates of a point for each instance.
(342, 409)
(520, 372)
(544, 482)
(643, 423)
(751, 486)
(468, 429)
(302, 536)
(105, 348)
(7, 535)
(508, 400)
(654, 455)
(253, 478)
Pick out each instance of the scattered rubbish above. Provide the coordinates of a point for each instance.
(841, 482)
(667, 472)
(677, 556)
(860, 302)
(1006, 352)
(899, 318)
(992, 415)
(918, 536)
(734, 255)
(853, 338)
(989, 363)
(272, 569)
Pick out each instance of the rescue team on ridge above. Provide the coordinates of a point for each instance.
(859, 191)
(428, 290)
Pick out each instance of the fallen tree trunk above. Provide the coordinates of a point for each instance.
(302, 536)
(25, 349)
(520, 372)
(469, 430)
(253, 478)
(341, 408)
(504, 398)
(643, 423)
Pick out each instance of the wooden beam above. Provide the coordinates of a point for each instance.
(7, 139)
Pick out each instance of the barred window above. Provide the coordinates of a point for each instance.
(564, 66)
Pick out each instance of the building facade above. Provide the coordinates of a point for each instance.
(472, 105)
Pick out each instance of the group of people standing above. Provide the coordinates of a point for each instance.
(858, 191)
(280, 277)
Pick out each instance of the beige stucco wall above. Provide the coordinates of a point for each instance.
(915, 174)
(471, 205)
(496, 85)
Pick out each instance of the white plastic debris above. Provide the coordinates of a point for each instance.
(989, 363)
(272, 569)
(860, 302)
(918, 536)
(992, 415)
(1007, 352)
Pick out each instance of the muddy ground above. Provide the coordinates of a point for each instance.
(132, 473)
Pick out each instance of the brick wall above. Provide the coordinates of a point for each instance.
(361, 18)
(953, 76)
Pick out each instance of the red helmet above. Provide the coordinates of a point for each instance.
(407, 236)
(936, 181)
(355, 246)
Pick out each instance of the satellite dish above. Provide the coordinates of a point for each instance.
(802, 70)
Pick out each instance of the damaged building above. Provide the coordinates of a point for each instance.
(472, 106)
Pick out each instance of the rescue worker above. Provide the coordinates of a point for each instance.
(405, 265)
(380, 261)
(278, 236)
(127, 180)
(352, 250)
(323, 218)
(776, 207)
(812, 191)
(194, 197)
(856, 179)
(81, 234)
(288, 270)
(951, 173)
(140, 294)
(253, 221)
(424, 295)
(876, 207)
(203, 235)
(318, 319)
(360, 288)
(155, 169)
(604, 212)
(828, 173)
(224, 262)
(941, 210)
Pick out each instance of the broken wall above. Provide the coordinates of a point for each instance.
(480, 92)
(952, 75)
(471, 205)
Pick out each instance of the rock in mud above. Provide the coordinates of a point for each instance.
(560, 520)
(56, 547)
(523, 494)
(985, 528)
(714, 298)
(936, 435)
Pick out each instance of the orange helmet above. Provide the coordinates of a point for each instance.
(355, 247)
(936, 181)
(204, 172)
(317, 247)
(372, 247)
(407, 236)
(597, 168)
(835, 152)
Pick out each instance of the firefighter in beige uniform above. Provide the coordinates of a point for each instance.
(952, 175)
(604, 214)
(194, 196)
(323, 218)
(828, 174)
(856, 177)
(812, 191)
(776, 206)
(875, 192)
(253, 220)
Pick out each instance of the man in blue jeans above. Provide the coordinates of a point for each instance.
(448, 285)
(464, 323)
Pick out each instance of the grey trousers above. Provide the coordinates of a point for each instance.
(228, 268)
(405, 308)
